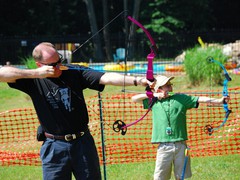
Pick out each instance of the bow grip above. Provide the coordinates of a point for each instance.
(227, 76)
(224, 100)
(228, 113)
(149, 94)
(149, 74)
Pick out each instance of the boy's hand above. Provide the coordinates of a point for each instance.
(225, 99)
(161, 95)
(150, 84)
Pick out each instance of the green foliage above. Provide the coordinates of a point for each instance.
(170, 21)
(29, 62)
(168, 17)
(199, 70)
(164, 24)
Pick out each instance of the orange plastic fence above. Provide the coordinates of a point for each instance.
(19, 145)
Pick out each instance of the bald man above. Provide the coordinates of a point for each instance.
(59, 102)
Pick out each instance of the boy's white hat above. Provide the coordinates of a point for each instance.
(161, 81)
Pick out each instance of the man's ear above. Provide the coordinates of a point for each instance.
(38, 64)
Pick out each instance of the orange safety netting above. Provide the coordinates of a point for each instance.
(19, 145)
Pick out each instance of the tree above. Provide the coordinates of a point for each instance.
(170, 19)
(93, 24)
(106, 30)
(132, 35)
(170, 23)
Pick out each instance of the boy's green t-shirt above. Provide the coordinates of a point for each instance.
(171, 113)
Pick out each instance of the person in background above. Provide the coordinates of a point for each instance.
(169, 128)
(68, 146)
(8, 63)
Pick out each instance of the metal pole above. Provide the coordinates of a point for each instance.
(102, 135)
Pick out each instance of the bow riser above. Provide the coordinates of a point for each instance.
(149, 74)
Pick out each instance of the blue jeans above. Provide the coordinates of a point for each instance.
(61, 158)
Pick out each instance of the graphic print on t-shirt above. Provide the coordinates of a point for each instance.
(60, 95)
(65, 97)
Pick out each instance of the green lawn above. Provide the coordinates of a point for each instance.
(208, 168)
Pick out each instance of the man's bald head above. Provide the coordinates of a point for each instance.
(43, 51)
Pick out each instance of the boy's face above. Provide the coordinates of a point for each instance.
(166, 88)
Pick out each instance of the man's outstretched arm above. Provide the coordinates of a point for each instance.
(11, 74)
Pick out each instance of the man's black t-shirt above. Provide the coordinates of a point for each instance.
(59, 102)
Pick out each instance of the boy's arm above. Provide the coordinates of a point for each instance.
(11, 74)
(139, 98)
(203, 99)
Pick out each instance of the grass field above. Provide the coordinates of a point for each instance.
(209, 168)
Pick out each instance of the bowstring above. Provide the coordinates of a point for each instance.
(211, 119)
(127, 45)
(85, 42)
(210, 83)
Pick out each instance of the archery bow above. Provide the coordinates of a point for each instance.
(209, 128)
(120, 125)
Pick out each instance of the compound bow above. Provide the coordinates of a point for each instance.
(209, 129)
(119, 125)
